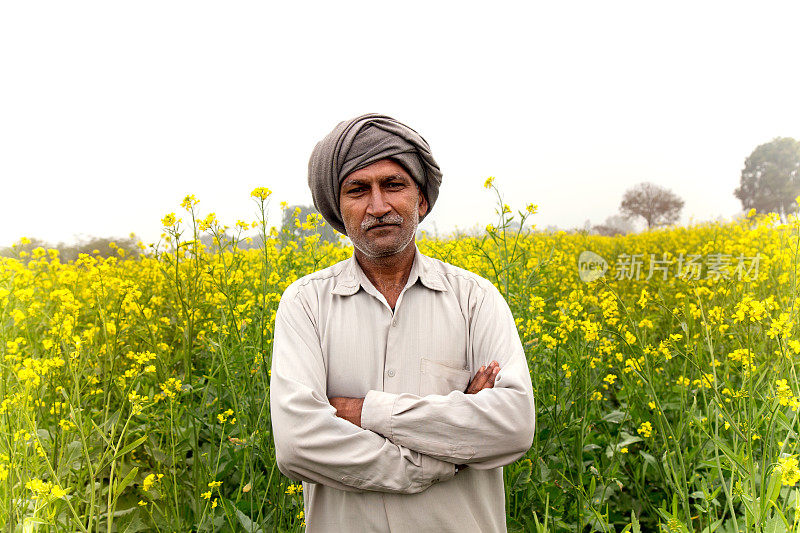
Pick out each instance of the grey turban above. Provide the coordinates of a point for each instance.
(357, 143)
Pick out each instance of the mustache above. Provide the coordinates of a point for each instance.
(389, 218)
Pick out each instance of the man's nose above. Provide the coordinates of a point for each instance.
(377, 203)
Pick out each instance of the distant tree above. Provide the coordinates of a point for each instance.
(770, 180)
(25, 246)
(295, 215)
(100, 246)
(96, 246)
(657, 205)
(614, 225)
(585, 229)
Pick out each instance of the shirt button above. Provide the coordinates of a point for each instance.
(390, 373)
(394, 323)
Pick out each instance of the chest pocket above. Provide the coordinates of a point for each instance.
(442, 377)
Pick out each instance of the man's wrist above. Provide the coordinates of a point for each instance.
(355, 411)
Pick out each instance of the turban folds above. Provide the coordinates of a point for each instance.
(357, 143)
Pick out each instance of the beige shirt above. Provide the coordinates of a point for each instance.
(335, 335)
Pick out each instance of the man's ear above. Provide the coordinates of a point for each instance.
(423, 203)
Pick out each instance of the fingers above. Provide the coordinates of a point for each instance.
(490, 381)
(477, 383)
(484, 378)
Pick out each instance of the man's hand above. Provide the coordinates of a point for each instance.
(348, 408)
(484, 378)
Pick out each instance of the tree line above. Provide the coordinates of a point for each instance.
(769, 183)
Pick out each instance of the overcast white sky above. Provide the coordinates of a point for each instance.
(111, 112)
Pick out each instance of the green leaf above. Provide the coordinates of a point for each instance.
(136, 524)
(713, 527)
(793, 501)
(635, 523)
(121, 485)
(628, 439)
(775, 525)
(521, 478)
(649, 459)
(247, 524)
(131, 446)
(615, 417)
(773, 490)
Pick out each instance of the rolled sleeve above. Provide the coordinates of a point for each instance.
(376, 412)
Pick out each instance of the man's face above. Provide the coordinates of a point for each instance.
(381, 206)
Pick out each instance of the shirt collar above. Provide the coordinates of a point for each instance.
(352, 277)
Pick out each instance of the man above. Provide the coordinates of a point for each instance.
(372, 403)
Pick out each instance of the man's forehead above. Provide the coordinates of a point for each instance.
(383, 169)
(364, 179)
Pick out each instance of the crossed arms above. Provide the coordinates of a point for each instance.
(400, 443)
(350, 408)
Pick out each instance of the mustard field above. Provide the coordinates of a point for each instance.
(135, 389)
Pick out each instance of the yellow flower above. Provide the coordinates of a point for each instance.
(150, 480)
(783, 392)
(624, 449)
(58, 492)
(188, 202)
(262, 193)
(169, 220)
(488, 183)
(795, 346)
(206, 495)
(294, 489)
(790, 473)
(142, 503)
(214, 484)
(646, 323)
(208, 222)
(39, 487)
(645, 430)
